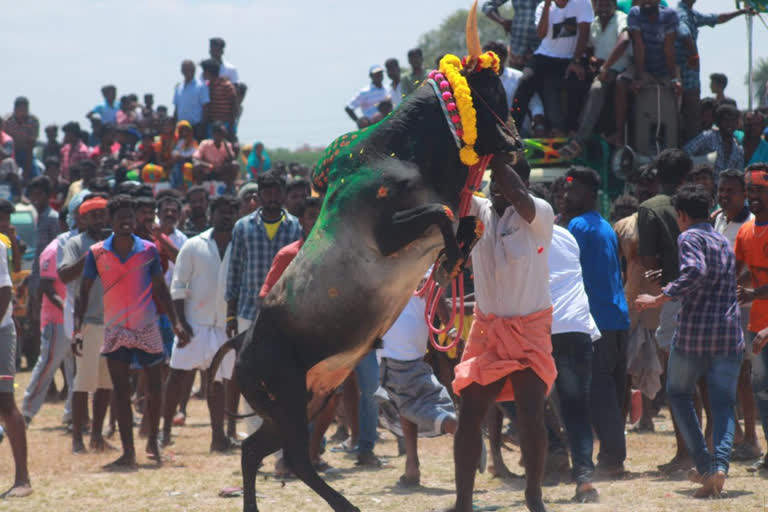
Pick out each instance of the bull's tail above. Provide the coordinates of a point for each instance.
(235, 344)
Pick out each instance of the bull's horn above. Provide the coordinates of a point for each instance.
(473, 35)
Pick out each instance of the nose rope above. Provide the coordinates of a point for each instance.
(431, 290)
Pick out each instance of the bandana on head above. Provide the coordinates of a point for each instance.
(96, 203)
(757, 177)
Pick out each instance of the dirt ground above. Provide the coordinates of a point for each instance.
(191, 478)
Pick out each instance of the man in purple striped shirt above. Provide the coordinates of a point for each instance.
(708, 341)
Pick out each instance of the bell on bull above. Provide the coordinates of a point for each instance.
(393, 202)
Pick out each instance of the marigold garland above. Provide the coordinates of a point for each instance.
(451, 67)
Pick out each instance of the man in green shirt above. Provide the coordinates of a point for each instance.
(417, 75)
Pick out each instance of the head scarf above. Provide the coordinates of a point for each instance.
(757, 177)
(95, 203)
(254, 164)
(247, 188)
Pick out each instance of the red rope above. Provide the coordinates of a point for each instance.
(431, 290)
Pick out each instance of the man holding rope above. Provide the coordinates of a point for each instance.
(509, 352)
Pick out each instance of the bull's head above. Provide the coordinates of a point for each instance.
(496, 133)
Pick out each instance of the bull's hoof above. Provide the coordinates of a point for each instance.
(250, 508)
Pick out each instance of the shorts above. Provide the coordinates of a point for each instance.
(7, 358)
(166, 331)
(135, 356)
(91, 371)
(417, 394)
(629, 74)
(667, 324)
(198, 354)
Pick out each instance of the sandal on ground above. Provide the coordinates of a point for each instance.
(761, 465)
(231, 492)
(320, 465)
(17, 491)
(745, 452)
(589, 496)
(409, 481)
(180, 419)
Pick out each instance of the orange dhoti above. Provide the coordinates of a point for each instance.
(499, 346)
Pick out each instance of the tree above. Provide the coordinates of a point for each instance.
(759, 79)
(450, 36)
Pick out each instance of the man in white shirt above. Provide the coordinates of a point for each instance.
(424, 405)
(368, 99)
(216, 51)
(508, 355)
(573, 331)
(605, 33)
(731, 196)
(510, 78)
(396, 87)
(197, 290)
(557, 63)
(9, 413)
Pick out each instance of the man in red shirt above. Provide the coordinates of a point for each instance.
(307, 211)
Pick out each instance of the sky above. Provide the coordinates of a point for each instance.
(302, 60)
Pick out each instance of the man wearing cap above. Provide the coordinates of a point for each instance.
(368, 99)
(216, 51)
(751, 249)
(92, 373)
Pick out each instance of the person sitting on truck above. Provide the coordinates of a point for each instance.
(730, 154)
(653, 30)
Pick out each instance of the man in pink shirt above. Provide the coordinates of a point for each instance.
(54, 348)
(130, 272)
(215, 158)
(74, 149)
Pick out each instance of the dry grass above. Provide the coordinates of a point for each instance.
(190, 480)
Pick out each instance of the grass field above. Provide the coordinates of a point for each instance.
(191, 478)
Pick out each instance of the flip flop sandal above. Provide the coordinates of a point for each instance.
(408, 481)
(231, 492)
(17, 492)
(590, 496)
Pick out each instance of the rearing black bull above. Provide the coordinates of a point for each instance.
(383, 223)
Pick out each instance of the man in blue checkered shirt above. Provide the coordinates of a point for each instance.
(688, 59)
(256, 239)
(523, 39)
(708, 341)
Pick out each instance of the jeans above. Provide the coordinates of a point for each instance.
(367, 371)
(609, 376)
(598, 93)
(54, 350)
(760, 386)
(573, 357)
(548, 78)
(722, 375)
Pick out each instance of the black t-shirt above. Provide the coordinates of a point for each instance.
(657, 234)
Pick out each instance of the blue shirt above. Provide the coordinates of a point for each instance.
(690, 21)
(251, 258)
(108, 113)
(601, 271)
(653, 34)
(189, 99)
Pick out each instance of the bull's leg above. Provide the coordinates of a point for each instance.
(406, 226)
(291, 419)
(258, 445)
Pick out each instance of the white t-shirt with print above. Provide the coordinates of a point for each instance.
(560, 41)
(510, 261)
(569, 299)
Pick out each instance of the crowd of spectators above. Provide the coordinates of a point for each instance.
(143, 208)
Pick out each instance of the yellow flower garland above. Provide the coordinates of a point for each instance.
(451, 67)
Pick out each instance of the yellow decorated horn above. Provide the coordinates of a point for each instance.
(473, 35)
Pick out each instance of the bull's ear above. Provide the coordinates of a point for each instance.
(509, 138)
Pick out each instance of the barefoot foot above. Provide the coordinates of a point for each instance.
(126, 462)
